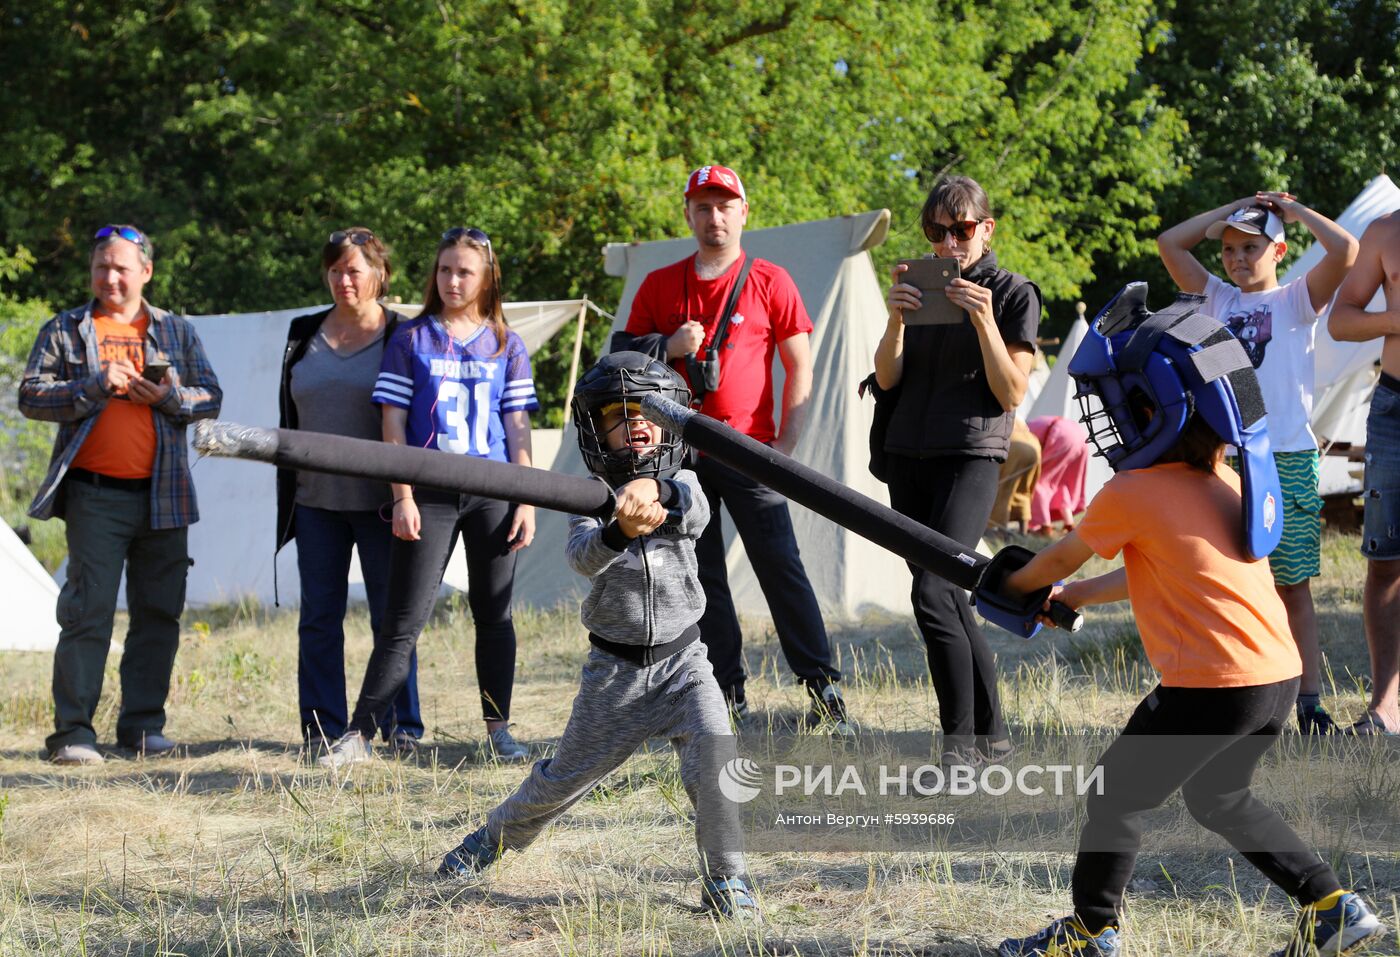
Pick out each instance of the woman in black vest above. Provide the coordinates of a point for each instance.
(958, 386)
(329, 366)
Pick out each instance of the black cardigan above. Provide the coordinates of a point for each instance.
(299, 335)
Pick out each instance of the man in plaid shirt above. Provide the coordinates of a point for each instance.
(123, 379)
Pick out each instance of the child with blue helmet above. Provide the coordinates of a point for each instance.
(1163, 394)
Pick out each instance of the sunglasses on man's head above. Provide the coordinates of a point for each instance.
(130, 233)
(356, 237)
(937, 232)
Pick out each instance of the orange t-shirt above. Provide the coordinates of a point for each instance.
(122, 442)
(1209, 617)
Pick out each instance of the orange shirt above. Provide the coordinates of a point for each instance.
(122, 442)
(1209, 617)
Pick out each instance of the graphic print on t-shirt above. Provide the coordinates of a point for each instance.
(117, 341)
(1255, 330)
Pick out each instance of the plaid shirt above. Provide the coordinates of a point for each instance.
(63, 383)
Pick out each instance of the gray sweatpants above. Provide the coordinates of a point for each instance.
(619, 706)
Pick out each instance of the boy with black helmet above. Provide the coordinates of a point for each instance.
(647, 675)
(1163, 393)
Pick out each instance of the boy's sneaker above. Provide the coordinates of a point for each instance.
(350, 748)
(476, 853)
(1314, 719)
(1066, 937)
(505, 748)
(829, 711)
(729, 898)
(1334, 925)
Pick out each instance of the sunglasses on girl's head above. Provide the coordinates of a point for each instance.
(356, 237)
(469, 232)
(130, 233)
(937, 232)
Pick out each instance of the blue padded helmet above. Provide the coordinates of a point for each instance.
(1178, 362)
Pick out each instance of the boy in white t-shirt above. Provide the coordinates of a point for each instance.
(1277, 325)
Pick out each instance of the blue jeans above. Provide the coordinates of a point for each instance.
(1380, 532)
(324, 540)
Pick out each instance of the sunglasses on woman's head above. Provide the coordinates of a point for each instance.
(964, 231)
(356, 237)
(469, 232)
(130, 233)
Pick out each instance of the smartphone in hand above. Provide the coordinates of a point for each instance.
(155, 372)
(931, 276)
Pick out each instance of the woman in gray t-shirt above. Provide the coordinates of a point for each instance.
(328, 370)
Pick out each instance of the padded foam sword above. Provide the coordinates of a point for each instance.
(915, 543)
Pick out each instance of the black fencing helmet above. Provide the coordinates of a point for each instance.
(617, 383)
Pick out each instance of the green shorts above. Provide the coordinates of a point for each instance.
(1299, 553)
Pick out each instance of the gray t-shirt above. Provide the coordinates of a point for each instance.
(331, 393)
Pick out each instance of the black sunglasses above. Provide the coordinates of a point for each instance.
(937, 232)
(356, 237)
(472, 233)
(130, 233)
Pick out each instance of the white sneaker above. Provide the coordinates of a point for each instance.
(505, 748)
(350, 748)
(77, 754)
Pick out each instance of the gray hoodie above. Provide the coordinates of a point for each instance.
(646, 591)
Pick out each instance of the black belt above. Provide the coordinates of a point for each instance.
(107, 481)
(646, 654)
(1390, 382)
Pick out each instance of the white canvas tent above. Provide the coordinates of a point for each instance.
(232, 542)
(30, 596)
(1057, 398)
(830, 262)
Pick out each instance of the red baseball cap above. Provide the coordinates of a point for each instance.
(715, 177)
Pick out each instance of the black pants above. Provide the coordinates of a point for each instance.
(415, 574)
(762, 520)
(108, 528)
(953, 495)
(1207, 742)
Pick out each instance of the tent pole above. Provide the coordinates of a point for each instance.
(573, 364)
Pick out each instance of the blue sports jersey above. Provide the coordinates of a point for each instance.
(456, 393)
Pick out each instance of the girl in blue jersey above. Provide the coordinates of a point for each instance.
(458, 380)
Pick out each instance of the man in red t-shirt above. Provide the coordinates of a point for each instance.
(676, 314)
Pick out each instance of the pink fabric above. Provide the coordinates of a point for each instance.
(1064, 458)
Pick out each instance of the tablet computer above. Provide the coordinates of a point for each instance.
(931, 276)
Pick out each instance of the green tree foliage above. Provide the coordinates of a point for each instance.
(1277, 94)
(25, 444)
(239, 134)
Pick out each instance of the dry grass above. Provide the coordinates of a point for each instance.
(241, 849)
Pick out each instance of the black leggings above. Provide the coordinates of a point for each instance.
(953, 495)
(1207, 742)
(415, 574)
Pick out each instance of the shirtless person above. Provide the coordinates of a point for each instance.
(1377, 265)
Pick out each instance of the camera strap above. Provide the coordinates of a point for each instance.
(696, 366)
(722, 330)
